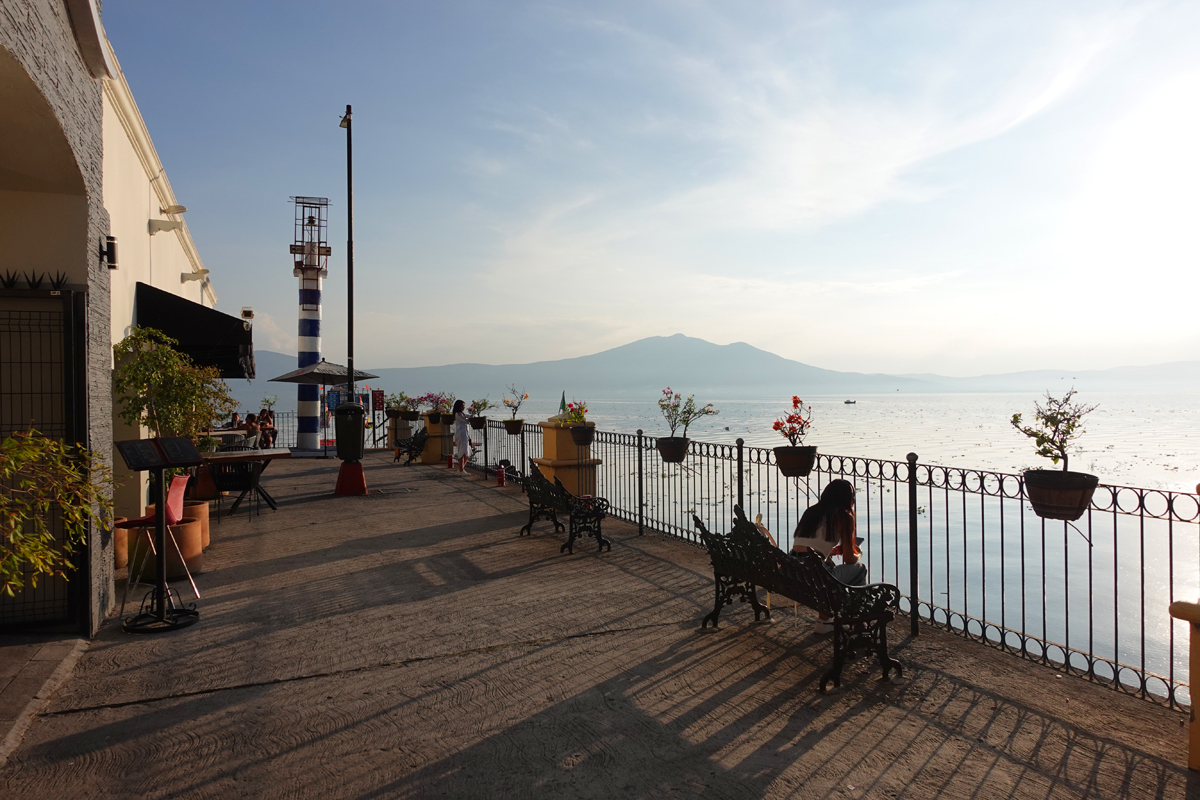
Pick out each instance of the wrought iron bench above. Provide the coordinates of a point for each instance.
(412, 446)
(744, 559)
(586, 515)
(545, 501)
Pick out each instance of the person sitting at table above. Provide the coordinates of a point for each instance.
(236, 421)
(266, 426)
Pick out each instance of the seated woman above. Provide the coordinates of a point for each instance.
(829, 528)
(266, 426)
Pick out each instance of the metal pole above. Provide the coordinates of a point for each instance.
(160, 542)
(641, 504)
(524, 463)
(914, 608)
(741, 469)
(485, 453)
(346, 123)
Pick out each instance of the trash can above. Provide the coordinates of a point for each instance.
(348, 425)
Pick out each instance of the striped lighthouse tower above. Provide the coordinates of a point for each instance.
(311, 253)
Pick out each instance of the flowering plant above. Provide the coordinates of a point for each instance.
(1059, 423)
(518, 397)
(576, 413)
(682, 412)
(795, 425)
(407, 403)
(477, 407)
(397, 400)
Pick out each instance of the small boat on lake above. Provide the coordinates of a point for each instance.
(850, 402)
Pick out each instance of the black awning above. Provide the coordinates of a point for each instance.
(210, 338)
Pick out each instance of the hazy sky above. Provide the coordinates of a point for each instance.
(959, 188)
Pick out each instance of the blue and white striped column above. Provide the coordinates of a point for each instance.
(308, 351)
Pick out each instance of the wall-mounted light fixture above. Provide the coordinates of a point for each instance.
(198, 275)
(108, 251)
(247, 317)
(173, 209)
(157, 225)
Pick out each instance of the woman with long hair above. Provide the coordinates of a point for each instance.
(829, 527)
(462, 439)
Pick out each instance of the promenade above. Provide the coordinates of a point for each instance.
(410, 644)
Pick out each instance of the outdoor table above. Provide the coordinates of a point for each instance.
(237, 456)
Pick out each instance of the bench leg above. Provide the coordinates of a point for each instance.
(569, 546)
(718, 603)
(886, 662)
(528, 526)
(603, 544)
(558, 526)
(841, 642)
(759, 609)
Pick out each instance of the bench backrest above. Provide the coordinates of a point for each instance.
(590, 506)
(544, 493)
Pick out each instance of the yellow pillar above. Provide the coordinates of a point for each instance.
(565, 460)
(432, 454)
(1191, 613)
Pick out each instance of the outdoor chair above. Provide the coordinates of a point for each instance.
(174, 513)
(239, 477)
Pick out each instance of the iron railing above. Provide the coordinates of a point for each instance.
(1088, 598)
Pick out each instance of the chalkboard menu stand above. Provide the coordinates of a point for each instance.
(160, 610)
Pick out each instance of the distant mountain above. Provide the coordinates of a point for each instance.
(711, 371)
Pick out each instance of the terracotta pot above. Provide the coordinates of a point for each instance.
(411, 416)
(120, 543)
(582, 435)
(478, 423)
(795, 462)
(514, 426)
(673, 449)
(187, 535)
(392, 413)
(202, 487)
(199, 510)
(1055, 494)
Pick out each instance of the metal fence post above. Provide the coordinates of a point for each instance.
(524, 462)
(641, 505)
(485, 454)
(741, 469)
(914, 608)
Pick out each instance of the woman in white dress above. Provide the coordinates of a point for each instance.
(462, 439)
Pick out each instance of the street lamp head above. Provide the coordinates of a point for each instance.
(345, 123)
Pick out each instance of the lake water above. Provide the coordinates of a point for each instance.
(1132, 439)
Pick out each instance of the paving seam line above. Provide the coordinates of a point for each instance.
(331, 673)
(34, 707)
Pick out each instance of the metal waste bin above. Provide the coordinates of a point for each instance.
(350, 429)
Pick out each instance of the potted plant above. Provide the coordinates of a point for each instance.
(678, 411)
(476, 410)
(162, 389)
(410, 408)
(795, 460)
(395, 401)
(576, 421)
(513, 403)
(40, 479)
(1057, 494)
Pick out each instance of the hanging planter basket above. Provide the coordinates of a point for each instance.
(1055, 494)
(435, 417)
(582, 435)
(478, 423)
(514, 426)
(392, 413)
(795, 462)
(673, 449)
(411, 416)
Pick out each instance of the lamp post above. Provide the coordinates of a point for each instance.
(351, 478)
(346, 123)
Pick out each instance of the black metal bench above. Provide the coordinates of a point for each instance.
(547, 500)
(744, 559)
(412, 446)
(544, 501)
(586, 515)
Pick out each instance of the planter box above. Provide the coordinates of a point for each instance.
(1055, 494)
(795, 462)
(673, 449)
